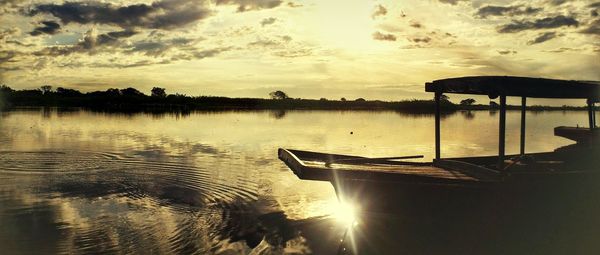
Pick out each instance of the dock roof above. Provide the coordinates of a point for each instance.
(494, 86)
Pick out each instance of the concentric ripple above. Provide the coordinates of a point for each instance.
(55, 161)
(103, 174)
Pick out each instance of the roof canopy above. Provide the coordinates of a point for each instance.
(494, 86)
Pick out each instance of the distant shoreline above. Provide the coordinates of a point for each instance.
(132, 100)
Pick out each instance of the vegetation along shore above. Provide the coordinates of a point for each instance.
(131, 99)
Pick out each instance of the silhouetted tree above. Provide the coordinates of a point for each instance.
(360, 99)
(158, 92)
(6, 89)
(113, 92)
(278, 95)
(67, 92)
(131, 92)
(494, 105)
(46, 89)
(343, 99)
(323, 99)
(468, 101)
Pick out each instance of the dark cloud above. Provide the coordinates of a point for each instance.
(383, 37)
(506, 52)
(379, 11)
(543, 37)
(425, 39)
(251, 5)
(492, 10)
(294, 5)
(20, 43)
(545, 23)
(594, 13)
(164, 14)
(267, 43)
(210, 53)
(593, 28)
(557, 2)
(90, 43)
(452, 2)
(563, 49)
(595, 5)
(159, 47)
(415, 24)
(49, 27)
(115, 62)
(267, 21)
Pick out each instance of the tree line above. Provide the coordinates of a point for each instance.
(131, 99)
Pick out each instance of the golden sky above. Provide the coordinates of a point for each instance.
(311, 49)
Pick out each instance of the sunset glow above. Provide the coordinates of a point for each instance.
(311, 49)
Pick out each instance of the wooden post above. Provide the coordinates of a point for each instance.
(438, 96)
(591, 113)
(502, 132)
(523, 106)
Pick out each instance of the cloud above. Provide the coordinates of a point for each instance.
(506, 52)
(7, 56)
(164, 14)
(543, 37)
(452, 2)
(251, 5)
(265, 43)
(294, 5)
(50, 27)
(557, 2)
(425, 39)
(415, 24)
(383, 37)
(89, 43)
(9, 5)
(593, 28)
(267, 21)
(491, 10)
(545, 23)
(155, 48)
(563, 49)
(6, 33)
(379, 11)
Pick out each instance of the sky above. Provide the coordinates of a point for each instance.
(311, 49)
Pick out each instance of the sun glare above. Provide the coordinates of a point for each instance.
(346, 213)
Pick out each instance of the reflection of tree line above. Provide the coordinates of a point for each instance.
(133, 100)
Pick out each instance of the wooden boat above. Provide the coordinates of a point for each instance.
(580, 135)
(487, 182)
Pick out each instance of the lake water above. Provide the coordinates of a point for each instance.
(80, 182)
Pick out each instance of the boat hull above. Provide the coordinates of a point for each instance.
(525, 193)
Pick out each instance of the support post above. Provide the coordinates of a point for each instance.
(591, 113)
(438, 96)
(523, 108)
(502, 132)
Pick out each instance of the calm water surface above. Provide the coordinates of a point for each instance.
(79, 182)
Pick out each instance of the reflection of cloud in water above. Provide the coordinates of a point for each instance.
(135, 205)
